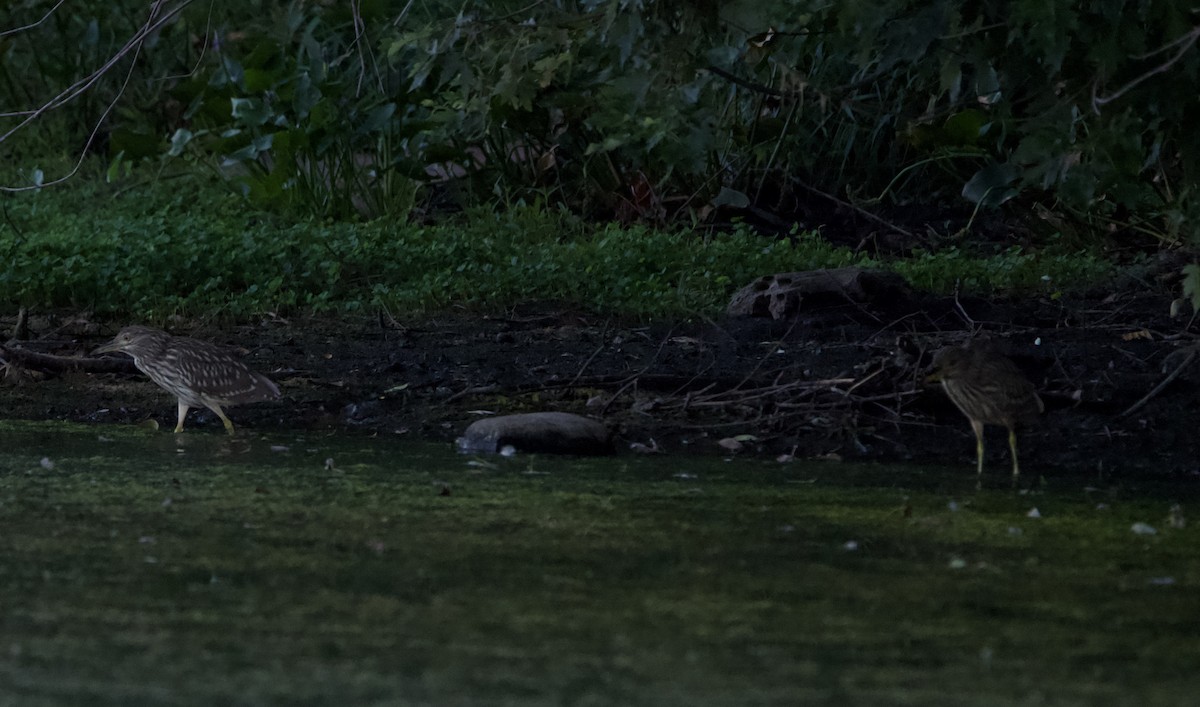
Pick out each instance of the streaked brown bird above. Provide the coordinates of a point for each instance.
(196, 372)
(990, 390)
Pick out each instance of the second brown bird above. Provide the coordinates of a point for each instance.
(990, 390)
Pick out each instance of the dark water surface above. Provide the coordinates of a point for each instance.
(141, 567)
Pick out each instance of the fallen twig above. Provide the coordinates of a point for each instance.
(1159, 388)
(588, 362)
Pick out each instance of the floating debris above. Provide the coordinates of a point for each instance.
(1143, 529)
(640, 448)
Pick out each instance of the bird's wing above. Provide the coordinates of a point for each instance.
(217, 375)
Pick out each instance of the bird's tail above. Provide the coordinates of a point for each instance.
(263, 389)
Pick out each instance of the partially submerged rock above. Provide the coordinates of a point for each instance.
(782, 295)
(551, 432)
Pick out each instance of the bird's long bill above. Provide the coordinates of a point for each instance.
(107, 348)
(934, 377)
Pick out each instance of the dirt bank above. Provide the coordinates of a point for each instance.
(837, 380)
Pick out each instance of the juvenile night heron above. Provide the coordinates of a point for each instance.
(990, 390)
(196, 372)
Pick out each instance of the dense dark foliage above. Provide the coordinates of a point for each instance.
(1076, 113)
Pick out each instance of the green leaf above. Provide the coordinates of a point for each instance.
(114, 168)
(230, 72)
(305, 95)
(964, 128)
(1191, 284)
(378, 118)
(993, 185)
(987, 85)
(731, 197)
(259, 80)
(135, 145)
(250, 111)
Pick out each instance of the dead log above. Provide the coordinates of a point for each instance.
(782, 295)
(50, 363)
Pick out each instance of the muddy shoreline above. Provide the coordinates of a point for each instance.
(834, 381)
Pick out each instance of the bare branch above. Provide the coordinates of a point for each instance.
(31, 25)
(1185, 43)
(1187, 361)
(134, 46)
(857, 209)
(203, 48)
(50, 363)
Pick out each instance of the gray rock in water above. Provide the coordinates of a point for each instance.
(552, 432)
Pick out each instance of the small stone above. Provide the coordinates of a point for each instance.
(730, 444)
(1143, 529)
(1175, 517)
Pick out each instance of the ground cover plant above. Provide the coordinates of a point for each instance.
(189, 246)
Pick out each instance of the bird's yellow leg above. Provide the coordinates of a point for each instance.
(221, 414)
(1012, 445)
(977, 427)
(183, 409)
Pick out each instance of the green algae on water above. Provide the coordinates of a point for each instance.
(142, 567)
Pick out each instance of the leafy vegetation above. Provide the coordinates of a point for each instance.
(661, 112)
(416, 156)
(188, 246)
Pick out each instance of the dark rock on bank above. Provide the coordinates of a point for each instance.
(551, 432)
